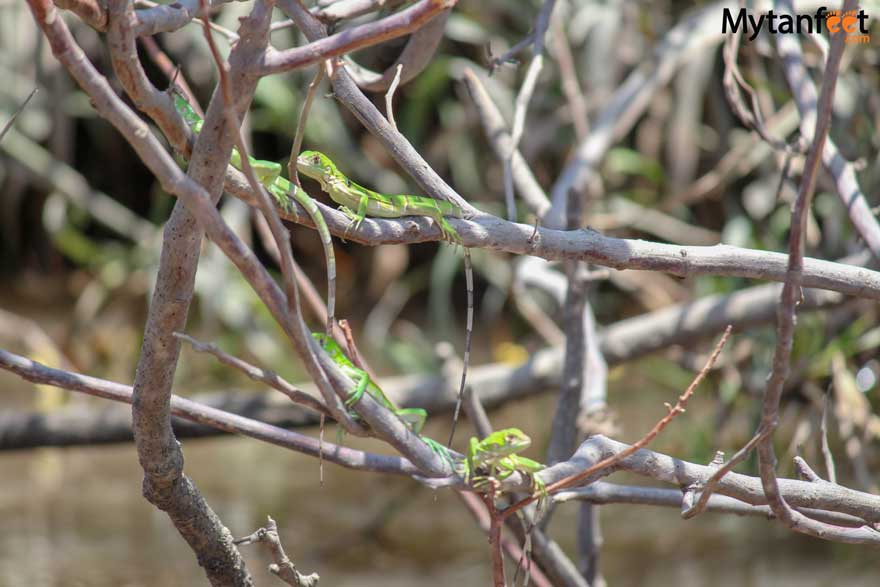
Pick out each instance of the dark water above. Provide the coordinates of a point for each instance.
(75, 517)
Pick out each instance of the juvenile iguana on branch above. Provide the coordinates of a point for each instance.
(358, 202)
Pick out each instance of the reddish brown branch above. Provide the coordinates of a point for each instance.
(674, 411)
(391, 27)
(92, 12)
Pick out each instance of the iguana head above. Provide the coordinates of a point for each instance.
(331, 347)
(502, 443)
(322, 339)
(315, 165)
(185, 109)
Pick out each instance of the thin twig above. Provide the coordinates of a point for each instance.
(495, 129)
(292, 171)
(508, 57)
(282, 567)
(711, 484)
(15, 114)
(673, 411)
(830, 469)
(266, 376)
(495, 521)
(389, 96)
(476, 413)
(732, 82)
(328, 317)
(571, 87)
(171, 71)
(311, 297)
(476, 507)
(414, 58)
(805, 471)
(522, 102)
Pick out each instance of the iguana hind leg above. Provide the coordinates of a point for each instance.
(413, 417)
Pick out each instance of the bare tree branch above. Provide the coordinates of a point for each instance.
(608, 493)
(401, 23)
(209, 416)
(415, 57)
(786, 323)
(492, 233)
(282, 567)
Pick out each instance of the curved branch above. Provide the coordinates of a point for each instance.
(398, 24)
(210, 416)
(337, 10)
(92, 12)
(414, 58)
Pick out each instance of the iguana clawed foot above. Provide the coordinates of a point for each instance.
(497, 454)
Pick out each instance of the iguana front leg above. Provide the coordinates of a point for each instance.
(449, 233)
(341, 194)
(361, 379)
(361, 213)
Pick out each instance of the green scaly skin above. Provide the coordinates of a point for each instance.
(269, 175)
(412, 417)
(497, 455)
(358, 202)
